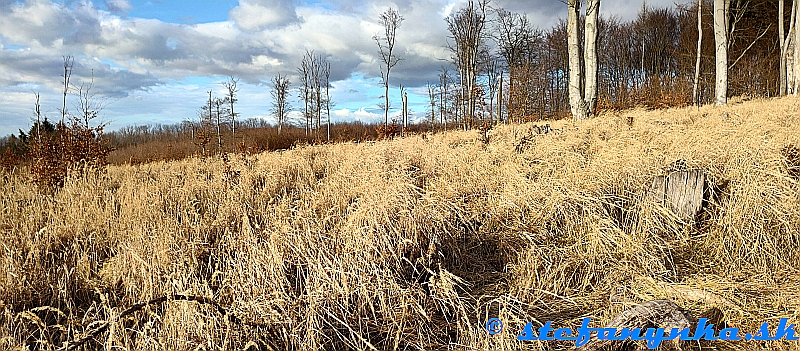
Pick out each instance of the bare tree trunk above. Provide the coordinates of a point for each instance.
(230, 85)
(432, 97)
(68, 63)
(38, 112)
(695, 98)
(575, 73)
(306, 88)
(782, 62)
(210, 117)
(280, 92)
(500, 99)
(442, 93)
(405, 111)
(721, 42)
(590, 54)
(391, 20)
(796, 70)
(785, 47)
(386, 100)
(326, 72)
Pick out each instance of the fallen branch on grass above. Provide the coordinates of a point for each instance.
(136, 307)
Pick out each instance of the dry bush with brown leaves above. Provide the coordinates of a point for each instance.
(70, 148)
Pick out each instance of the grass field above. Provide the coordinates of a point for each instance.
(412, 243)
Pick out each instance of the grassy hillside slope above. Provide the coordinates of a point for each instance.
(412, 243)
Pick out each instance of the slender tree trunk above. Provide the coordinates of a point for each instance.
(491, 108)
(442, 107)
(386, 99)
(68, 62)
(782, 62)
(327, 72)
(511, 103)
(500, 99)
(796, 70)
(590, 54)
(575, 72)
(785, 42)
(233, 123)
(695, 98)
(721, 43)
(405, 111)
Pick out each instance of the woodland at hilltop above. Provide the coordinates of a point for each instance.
(647, 62)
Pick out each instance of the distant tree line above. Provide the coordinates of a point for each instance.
(504, 69)
(500, 57)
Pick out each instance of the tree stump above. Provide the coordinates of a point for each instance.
(651, 314)
(656, 314)
(681, 191)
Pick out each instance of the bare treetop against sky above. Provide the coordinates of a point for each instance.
(155, 60)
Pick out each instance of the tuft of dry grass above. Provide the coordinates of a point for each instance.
(411, 243)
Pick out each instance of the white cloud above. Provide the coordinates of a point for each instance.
(120, 7)
(139, 57)
(255, 15)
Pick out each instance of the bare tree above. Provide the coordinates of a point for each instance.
(68, 64)
(590, 54)
(582, 101)
(467, 30)
(782, 60)
(316, 79)
(230, 98)
(432, 97)
(326, 72)
(38, 113)
(280, 103)
(214, 119)
(390, 20)
(796, 70)
(513, 33)
(211, 115)
(219, 110)
(444, 84)
(492, 75)
(312, 74)
(784, 42)
(721, 52)
(403, 108)
(699, 50)
(575, 72)
(405, 112)
(89, 104)
(500, 99)
(305, 87)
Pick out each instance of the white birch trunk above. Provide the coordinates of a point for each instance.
(786, 44)
(782, 59)
(695, 97)
(590, 55)
(721, 43)
(576, 102)
(796, 56)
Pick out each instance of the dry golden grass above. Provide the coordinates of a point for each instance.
(411, 243)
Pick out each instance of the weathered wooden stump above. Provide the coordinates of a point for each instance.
(651, 314)
(656, 314)
(682, 191)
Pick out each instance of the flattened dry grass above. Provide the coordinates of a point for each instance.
(412, 243)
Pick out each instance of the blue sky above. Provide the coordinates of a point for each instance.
(153, 61)
(180, 11)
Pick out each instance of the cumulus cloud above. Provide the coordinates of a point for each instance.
(120, 7)
(130, 56)
(255, 15)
